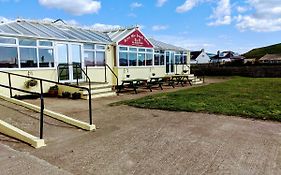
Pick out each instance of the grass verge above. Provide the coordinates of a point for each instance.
(258, 98)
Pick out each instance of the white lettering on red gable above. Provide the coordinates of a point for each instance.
(136, 39)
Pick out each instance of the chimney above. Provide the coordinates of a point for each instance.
(203, 50)
(218, 53)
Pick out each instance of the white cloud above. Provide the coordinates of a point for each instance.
(221, 14)
(189, 44)
(75, 7)
(265, 18)
(241, 9)
(187, 5)
(159, 27)
(160, 3)
(135, 5)
(4, 20)
(102, 27)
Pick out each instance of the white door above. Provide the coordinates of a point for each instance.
(170, 62)
(69, 62)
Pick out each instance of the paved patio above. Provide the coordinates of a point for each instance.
(139, 141)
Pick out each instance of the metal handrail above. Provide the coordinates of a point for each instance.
(54, 82)
(105, 74)
(107, 66)
(41, 120)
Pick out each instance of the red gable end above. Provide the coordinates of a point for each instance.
(136, 39)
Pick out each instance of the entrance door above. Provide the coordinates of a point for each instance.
(69, 60)
(170, 62)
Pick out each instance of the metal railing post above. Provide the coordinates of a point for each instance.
(76, 68)
(10, 85)
(90, 105)
(41, 110)
(105, 76)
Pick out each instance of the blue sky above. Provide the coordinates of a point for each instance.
(193, 24)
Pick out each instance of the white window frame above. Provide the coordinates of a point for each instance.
(37, 47)
(95, 50)
(137, 52)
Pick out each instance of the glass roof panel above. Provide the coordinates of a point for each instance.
(21, 29)
(50, 32)
(6, 29)
(63, 32)
(34, 29)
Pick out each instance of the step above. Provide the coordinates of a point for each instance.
(94, 85)
(98, 90)
(99, 95)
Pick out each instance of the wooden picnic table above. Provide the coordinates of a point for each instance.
(131, 84)
(155, 82)
(182, 79)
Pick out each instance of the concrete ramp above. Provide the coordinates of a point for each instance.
(19, 134)
(55, 115)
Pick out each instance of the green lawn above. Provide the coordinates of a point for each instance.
(247, 97)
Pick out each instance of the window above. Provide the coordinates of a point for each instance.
(26, 53)
(156, 59)
(89, 58)
(45, 43)
(133, 59)
(46, 54)
(46, 58)
(149, 58)
(7, 40)
(27, 42)
(28, 57)
(159, 57)
(123, 58)
(94, 55)
(100, 59)
(132, 56)
(141, 59)
(8, 57)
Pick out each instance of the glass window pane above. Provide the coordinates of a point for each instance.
(134, 49)
(8, 40)
(76, 53)
(162, 51)
(100, 47)
(141, 50)
(89, 58)
(89, 46)
(123, 48)
(100, 59)
(8, 57)
(28, 57)
(156, 51)
(123, 59)
(27, 42)
(141, 59)
(149, 58)
(45, 43)
(133, 59)
(178, 59)
(149, 50)
(156, 59)
(46, 58)
(162, 59)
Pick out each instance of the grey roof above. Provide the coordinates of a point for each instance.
(48, 30)
(164, 46)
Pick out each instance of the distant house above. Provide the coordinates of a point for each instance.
(271, 59)
(199, 57)
(226, 57)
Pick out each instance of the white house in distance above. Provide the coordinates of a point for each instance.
(199, 57)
